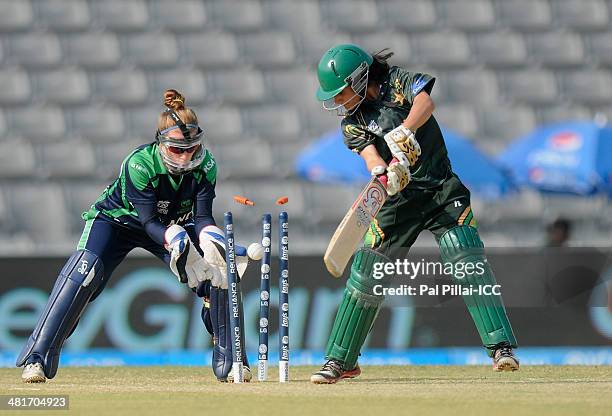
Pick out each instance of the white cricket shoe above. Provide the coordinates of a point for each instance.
(246, 375)
(33, 373)
(505, 360)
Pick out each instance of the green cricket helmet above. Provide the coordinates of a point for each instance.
(341, 66)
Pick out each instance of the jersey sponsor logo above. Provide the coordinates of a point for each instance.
(182, 219)
(209, 165)
(457, 204)
(162, 207)
(374, 128)
(137, 166)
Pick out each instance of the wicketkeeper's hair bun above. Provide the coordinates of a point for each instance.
(174, 100)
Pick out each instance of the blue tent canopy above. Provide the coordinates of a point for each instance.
(569, 157)
(328, 160)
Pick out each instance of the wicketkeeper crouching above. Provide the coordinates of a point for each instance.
(161, 202)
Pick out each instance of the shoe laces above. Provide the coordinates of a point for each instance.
(504, 352)
(333, 366)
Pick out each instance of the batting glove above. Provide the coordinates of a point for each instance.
(395, 177)
(406, 143)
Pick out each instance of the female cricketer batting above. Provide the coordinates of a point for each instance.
(387, 118)
(162, 202)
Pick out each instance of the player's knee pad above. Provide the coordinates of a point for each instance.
(80, 277)
(358, 309)
(362, 281)
(462, 247)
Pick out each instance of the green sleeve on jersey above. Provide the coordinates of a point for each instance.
(356, 137)
(141, 170)
(407, 85)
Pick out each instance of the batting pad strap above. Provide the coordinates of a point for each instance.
(357, 311)
(462, 244)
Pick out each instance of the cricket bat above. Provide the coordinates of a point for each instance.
(353, 227)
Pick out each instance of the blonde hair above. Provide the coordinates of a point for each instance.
(175, 101)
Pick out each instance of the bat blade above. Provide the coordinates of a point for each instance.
(353, 227)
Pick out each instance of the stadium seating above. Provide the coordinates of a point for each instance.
(409, 16)
(268, 49)
(209, 49)
(92, 50)
(14, 87)
(15, 16)
(18, 160)
(223, 14)
(583, 15)
(34, 50)
(525, 15)
(301, 17)
(557, 49)
(469, 15)
(121, 15)
(64, 86)
(121, 86)
(500, 49)
(81, 85)
(66, 159)
(350, 15)
(182, 79)
(63, 15)
(49, 123)
(601, 48)
(178, 16)
(99, 123)
(236, 86)
(151, 49)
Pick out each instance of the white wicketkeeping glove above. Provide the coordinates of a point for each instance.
(405, 142)
(212, 243)
(395, 177)
(185, 261)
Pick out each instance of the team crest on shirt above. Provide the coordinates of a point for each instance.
(398, 95)
(162, 207)
(374, 128)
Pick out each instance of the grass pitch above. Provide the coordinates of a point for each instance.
(380, 391)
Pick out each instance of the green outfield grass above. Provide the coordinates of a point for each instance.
(380, 391)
